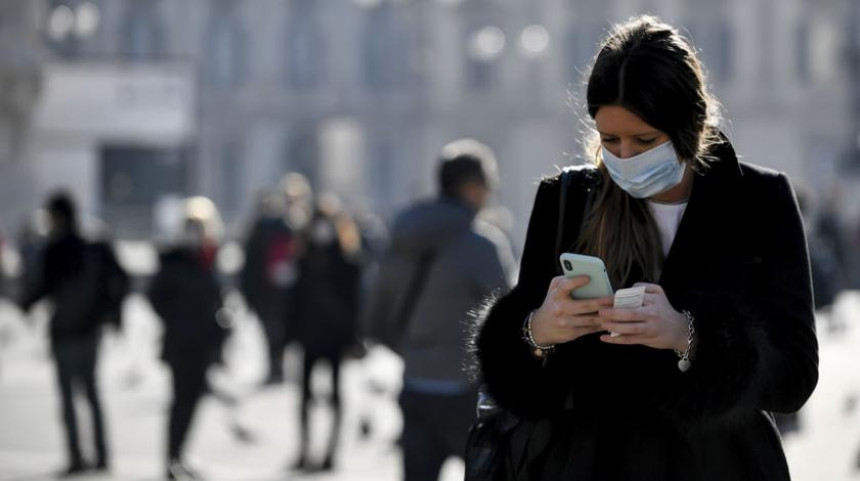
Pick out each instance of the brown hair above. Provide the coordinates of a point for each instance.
(650, 69)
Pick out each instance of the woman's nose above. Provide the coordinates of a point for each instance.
(627, 150)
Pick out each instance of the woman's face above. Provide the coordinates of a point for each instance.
(624, 133)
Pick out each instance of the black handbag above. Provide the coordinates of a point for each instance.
(489, 437)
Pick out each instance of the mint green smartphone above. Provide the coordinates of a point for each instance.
(581, 265)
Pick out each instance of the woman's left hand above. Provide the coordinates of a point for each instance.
(656, 324)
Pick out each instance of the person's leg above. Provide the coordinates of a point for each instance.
(304, 410)
(89, 356)
(189, 383)
(64, 362)
(273, 325)
(334, 439)
(423, 454)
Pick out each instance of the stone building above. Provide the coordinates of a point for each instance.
(128, 101)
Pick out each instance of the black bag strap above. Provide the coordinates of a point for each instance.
(565, 179)
(414, 290)
(562, 203)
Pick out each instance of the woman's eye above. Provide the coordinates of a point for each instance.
(609, 140)
(647, 141)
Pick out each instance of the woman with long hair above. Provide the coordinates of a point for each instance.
(683, 386)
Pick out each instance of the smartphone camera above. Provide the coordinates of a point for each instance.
(568, 266)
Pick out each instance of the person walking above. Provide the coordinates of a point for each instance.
(268, 278)
(186, 296)
(86, 285)
(327, 313)
(442, 263)
(682, 387)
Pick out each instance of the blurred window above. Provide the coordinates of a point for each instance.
(305, 49)
(133, 178)
(226, 48)
(302, 153)
(484, 48)
(69, 24)
(142, 31)
(386, 50)
(382, 173)
(232, 177)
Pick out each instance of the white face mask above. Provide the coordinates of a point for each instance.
(323, 233)
(648, 173)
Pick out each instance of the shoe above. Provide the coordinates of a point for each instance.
(327, 464)
(101, 466)
(180, 470)
(301, 464)
(74, 469)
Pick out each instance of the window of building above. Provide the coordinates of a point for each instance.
(386, 50)
(69, 23)
(142, 31)
(232, 177)
(226, 48)
(484, 49)
(382, 175)
(305, 49)
(302, 153)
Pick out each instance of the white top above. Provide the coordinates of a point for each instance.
(668, 217)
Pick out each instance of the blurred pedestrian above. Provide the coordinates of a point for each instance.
(682, 386)
(442, 262)
(326, 312)
(86, 286)
(186, 295)
(270, 273)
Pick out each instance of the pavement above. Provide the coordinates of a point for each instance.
(257, 439)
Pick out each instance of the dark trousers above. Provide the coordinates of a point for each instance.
(189, 384)
(310, 360)
(75, 361)
(435, 427)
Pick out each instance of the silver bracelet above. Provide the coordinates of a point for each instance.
(529, 337)
(684, 357)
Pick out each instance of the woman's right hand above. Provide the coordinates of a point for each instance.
(563, 319)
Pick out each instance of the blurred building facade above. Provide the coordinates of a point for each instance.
(126, 101)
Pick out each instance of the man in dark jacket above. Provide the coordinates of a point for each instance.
(86, 285)
(441, 264)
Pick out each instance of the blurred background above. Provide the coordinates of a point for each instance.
(131, 105)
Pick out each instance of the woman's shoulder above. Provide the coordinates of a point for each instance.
(576, 171)
(579, 175)
(763, 180)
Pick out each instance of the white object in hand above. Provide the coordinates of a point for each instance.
(630, 298)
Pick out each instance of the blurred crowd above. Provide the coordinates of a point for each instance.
(315, 275)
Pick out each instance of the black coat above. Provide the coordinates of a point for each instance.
(187, 297)
(596, 411)
(267, 280)
(326, 303)
(85, 283)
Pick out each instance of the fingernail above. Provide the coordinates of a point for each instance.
(614, 334)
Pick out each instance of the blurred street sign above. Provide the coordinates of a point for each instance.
(145, 102)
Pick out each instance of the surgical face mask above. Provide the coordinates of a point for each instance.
(323, 232)
(648, 173)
